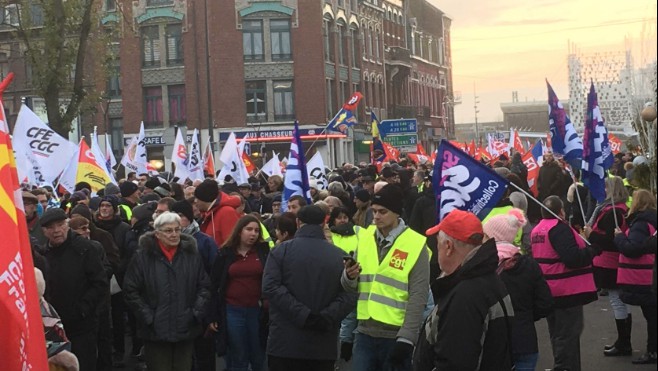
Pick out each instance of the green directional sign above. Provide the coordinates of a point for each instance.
(405, 143)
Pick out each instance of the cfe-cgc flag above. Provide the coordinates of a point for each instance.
(564, 138)
(597, 154)
(296, 179)
(23, 345)
(460, 182)
(51, 150)
(90, 170)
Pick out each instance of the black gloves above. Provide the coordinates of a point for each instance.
(316, 322)
(401, 351)
(346, 351)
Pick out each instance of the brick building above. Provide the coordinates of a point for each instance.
(252, 67)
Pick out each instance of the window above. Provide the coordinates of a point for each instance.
(341, 3)
(177, 110)
(252, 40)
(354, 5)
(441, 51)
(353, 41)
(340, 40)
(417, 45)
(280, 37)
(114, 82)
(377, 45)
(344, 91)
(330, 98)
(153, 107)
(159, 2)
(284, 109)
(328, 45)
(174, 45)
(370, 42)
(36, 13)
(255, 98)
(150, 46)
(116, 136)
(110, 5)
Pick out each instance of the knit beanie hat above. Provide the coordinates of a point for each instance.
(311, 214)
(111, 189)
(390, 197)
(504, 227)
(144, 211)
(183, 207)
(207, 191)
(363, 195)
(112, 200)
(152, 183)
(128, 188)
(82, 210)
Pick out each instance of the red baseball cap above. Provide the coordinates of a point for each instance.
(460, 225)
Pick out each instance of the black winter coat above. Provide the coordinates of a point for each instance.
(77, 283)
(423, 217)
(168, 299)
(604, 240)
(467, 325)
(531, 299)
(217, 303)
(125, 240)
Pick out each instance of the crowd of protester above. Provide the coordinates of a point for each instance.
(210, 268)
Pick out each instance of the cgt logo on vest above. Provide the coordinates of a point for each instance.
(398, 260)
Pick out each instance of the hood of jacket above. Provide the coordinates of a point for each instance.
(647, 216)
(224, 199)
(149, 242)
(484, 261)
(346, 229)
(107, 224)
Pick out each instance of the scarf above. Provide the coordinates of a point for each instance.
(191, 229)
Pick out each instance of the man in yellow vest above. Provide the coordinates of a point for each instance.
(393, 281)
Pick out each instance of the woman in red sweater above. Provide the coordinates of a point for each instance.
(237, 312)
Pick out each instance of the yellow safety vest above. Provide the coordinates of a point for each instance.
(347, 243)
(266, 236)
(127, 210)
(384, 287)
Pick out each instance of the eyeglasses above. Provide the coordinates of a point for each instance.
(83, 228)
(171, 231)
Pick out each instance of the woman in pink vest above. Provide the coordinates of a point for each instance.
(636, 261)
(600, 230)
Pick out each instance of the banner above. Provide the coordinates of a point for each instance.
(564, 138)
(195, 165)
(51, 150)
(232, 162)
(134, 158)
(460, 182)
(180, 159)
(23, 345)
(597, 154)
(533, 171)
(515, 142)
(296, 180)
(315, 168)
(101, 158)
(90, 170)
(230, 146)
(273, 166)
(615, 144)
(110, 160)
(68, 177)
(209, 160)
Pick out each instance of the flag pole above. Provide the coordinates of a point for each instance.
(580, 202)
(614, 212)
(322, 132)
(545, 208)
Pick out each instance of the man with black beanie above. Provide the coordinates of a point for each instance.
(130, 195)
(304, 320)
(218, 209)
(388, 251)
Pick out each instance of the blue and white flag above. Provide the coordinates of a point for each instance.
(296, 180)
(538, 152)
(461, 182)
(597, 153)
(564, 138)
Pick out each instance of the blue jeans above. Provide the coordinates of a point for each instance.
(526, 362)
(371, 354)
(244, 346)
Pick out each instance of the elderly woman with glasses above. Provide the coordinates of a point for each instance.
(166, 287)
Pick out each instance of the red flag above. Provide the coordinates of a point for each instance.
(518, 145)
(433, 157)
(247, 163)
(615, 143)
(353, 101)
(23, 346)
(209, 161)
(471, 148)
(533, 171)
(483, 154)
(459, 145)
(420, 150)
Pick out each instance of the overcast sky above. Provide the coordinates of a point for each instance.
(513, 45)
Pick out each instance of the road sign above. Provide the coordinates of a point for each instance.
(405, 143)
(395, 127)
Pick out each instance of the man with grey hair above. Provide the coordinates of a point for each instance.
(469, 328)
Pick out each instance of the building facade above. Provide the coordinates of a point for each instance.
(253, 67)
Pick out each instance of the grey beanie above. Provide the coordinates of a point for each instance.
(111, 189)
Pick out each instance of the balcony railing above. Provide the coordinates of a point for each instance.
(397, 112)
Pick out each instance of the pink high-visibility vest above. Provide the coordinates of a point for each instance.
(636, 271)
(609, 259)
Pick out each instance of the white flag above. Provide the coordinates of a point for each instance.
(241, 145)
(230, 146)
(180, 158)
(315, 168)
(195, 165)
(68, 177)
(272, 167)
(51, 151)
(512, 139)
(99, 158)
(234, 166)
(28, 168)
(134, 158)
(109, 154)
